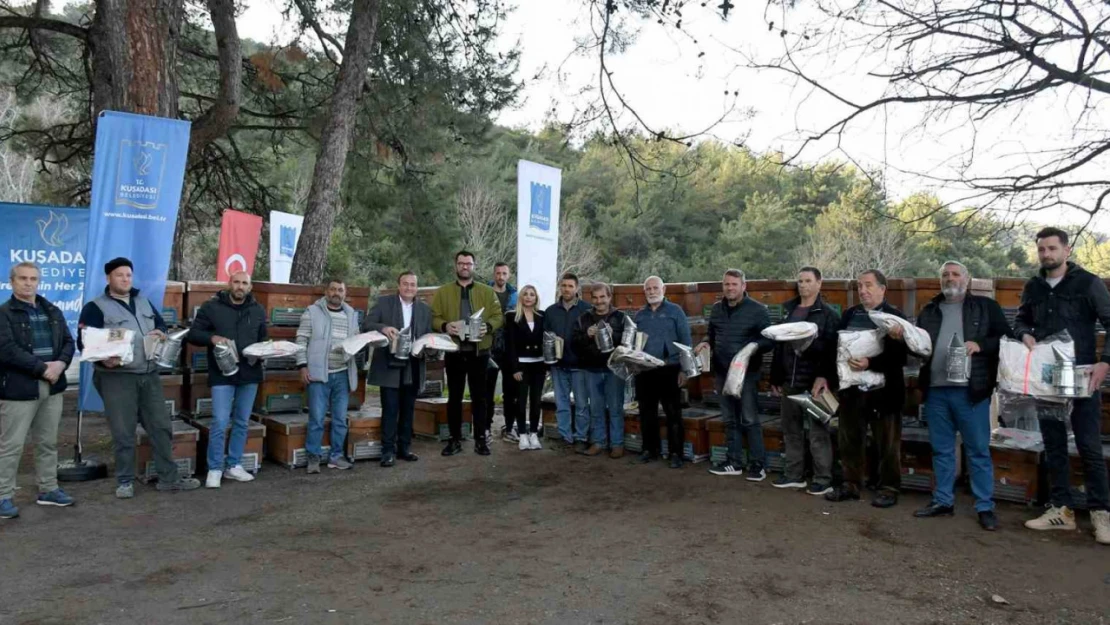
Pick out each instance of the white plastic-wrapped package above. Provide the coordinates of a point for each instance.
(738, 370)
(433, 340)
(1025, 371)
(799, 334)
(104, 344)
(1012, 438)
(354, 344)
(631, 361)
(917, 340)
(272, 349)
(858, 344)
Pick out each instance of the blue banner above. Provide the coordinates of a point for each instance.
(138, 173)
(53, 238)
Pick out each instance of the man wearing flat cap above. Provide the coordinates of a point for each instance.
(132, 393)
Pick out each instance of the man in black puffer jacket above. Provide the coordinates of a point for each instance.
(880, 408)
(233, 315)
(810, 371)
(1063, 296)
(956, 402)
(35, 350)
(605, 388)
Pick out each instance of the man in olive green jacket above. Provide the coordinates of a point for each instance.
(452, 305)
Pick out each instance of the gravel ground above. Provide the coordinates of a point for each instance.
(527, 537)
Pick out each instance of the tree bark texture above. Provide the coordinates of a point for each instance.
(133, 49)
(335, 141)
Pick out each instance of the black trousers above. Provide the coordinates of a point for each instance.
(858, 410)
(529, 391)
(652, 388)
(463, 368)
(508, 393)
(398, 408)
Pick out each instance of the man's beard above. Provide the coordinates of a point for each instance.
(1051, 264)
(654, 299)
(953, 291)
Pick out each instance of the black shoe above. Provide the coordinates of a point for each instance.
(408, 456)
(676, 461)
(645, 458)
(885, 500)
(934, 509)
(481, 447)
(581, 447)
(842, 494)
(453, 447)
(988, 521)
(387, 460)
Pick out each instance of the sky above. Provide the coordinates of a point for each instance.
(671, 87)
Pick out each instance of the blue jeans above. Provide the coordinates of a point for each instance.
(335, 393)
(949, 410)
(565, 380)
(229, 404)
(606, 392)
(741, 417)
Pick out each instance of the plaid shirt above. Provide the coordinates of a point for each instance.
(42, 339)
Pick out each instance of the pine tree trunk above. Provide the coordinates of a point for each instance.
(335, 141)
(133, 50)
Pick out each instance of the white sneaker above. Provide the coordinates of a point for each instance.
(524, 443)
(213, 480)
(1101, 520)
(1053, 519)
(534, 440)
(239, 474)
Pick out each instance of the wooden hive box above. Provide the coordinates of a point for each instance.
(430, 419)
(633, 433)
(709, 293)
(1016, 474)
(917, 459)
(173, 304)
(173, 390)
(775, 445)
(1007, 292)
(837, 294)
(695, 426)
(364, 433)
(285, 438)
(200, 396)
(281, 391)
(185, 439)
(358, 297)
(718, 439)
(284, 303)
(197, 292)
(902, 294)
(252, 451)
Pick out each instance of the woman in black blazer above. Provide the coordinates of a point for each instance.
(524, 347)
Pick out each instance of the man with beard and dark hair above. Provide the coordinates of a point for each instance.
(232, 315)
(960, 401)
(605, 389)
(452, 305)
(1064, 296)
(506, 294)
(327, 372)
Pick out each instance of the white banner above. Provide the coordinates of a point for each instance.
(285, 231)
(537, 230)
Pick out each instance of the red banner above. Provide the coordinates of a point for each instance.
(239, 235)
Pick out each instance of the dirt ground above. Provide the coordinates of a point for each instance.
(527, 537)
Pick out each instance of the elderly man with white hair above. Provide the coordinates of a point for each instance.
(957, 391)
(665, 324)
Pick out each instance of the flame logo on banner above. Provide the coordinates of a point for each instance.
(53, 229)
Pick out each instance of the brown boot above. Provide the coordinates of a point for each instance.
(595, 450)
(617, 453)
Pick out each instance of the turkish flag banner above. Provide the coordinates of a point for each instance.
(239, 236)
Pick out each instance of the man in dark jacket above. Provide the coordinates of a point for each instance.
(1063, 296)
(506, 295)
(35, 350)
(566, 376)
(605, 388)
(958, 400)
(400, 380)
(734, 322)
(665, 324)
(810, 371)
(232, 315)
(132, 392)
(881, 408)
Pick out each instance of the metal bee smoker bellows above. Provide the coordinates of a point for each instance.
(227, 358)
(401, 345)
(168, 350)
(604, 337)
(957, 363)
(1063, 375)
(550, 353)
(628, 334)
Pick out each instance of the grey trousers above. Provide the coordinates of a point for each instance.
(793, 432)
(40, 417)
(130, 399)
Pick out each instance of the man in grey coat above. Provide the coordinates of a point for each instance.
(328, 373)
(400, 380)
